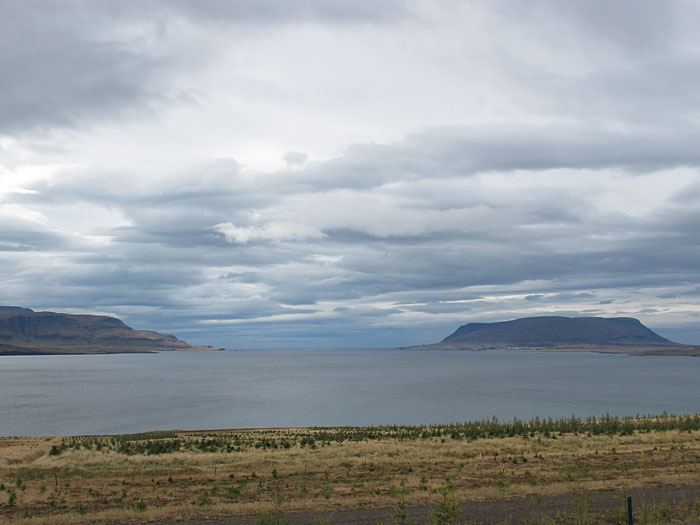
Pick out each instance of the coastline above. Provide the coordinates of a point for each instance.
(676, 350)
(8, 350)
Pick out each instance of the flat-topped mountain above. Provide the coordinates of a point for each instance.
(24, 332)
(548, 331)
(553, 333)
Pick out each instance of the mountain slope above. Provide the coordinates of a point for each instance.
(618, 335)
(24, 331)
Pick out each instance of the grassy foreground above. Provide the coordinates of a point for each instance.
(275, 472)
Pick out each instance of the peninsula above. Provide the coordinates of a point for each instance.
(26, 332)
(619, 335)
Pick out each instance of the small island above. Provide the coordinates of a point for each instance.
(26, 332)
(617, 335)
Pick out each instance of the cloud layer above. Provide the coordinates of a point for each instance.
(371, 173)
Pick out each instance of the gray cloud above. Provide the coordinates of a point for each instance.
(402, 241)
(280, 11)
(503, 148)
(79, 62)
(550, 180)
(59, 70)
(295, 159)
(637, 27)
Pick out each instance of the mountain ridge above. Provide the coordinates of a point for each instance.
(26, 332)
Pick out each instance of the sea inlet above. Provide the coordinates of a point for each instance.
(125, 393)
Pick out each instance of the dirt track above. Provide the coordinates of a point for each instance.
(559, 509)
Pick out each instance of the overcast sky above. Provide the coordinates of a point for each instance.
(350, 173)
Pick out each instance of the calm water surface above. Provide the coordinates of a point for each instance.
(69, 395)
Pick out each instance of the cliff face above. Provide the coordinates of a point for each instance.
(23, 331)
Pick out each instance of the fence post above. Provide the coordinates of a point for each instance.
(630, 521)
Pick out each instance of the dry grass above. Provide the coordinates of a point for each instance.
(81, 485)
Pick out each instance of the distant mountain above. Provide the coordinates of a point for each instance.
(617, 335)
(24, 331)
(548, 331)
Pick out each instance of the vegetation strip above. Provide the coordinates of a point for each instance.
(265, 472)
(232, 441)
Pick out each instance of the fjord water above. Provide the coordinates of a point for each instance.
(109, 394)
